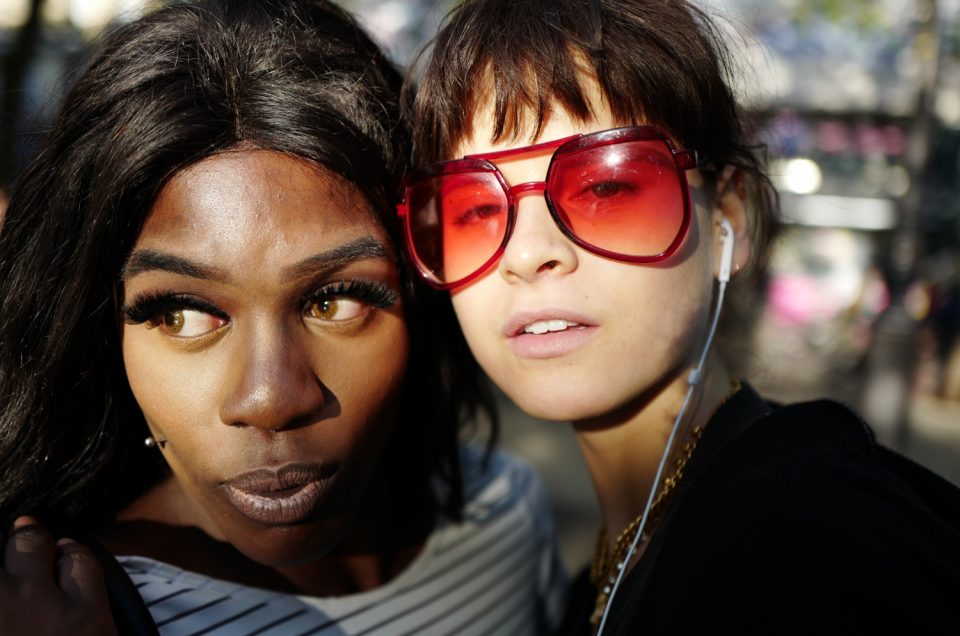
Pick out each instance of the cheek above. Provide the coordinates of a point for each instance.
(178, 398)
(366, 376)
(663, 321)
(173, 391)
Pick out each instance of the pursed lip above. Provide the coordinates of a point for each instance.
(288, 494)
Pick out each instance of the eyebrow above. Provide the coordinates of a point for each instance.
(320, 264)
(359, 249)
(143, 261)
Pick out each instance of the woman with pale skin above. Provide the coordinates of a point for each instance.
(586, 192)
(217, 364)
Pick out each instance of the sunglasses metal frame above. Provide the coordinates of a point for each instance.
(684, 160)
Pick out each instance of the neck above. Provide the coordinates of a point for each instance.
(385, 536)
(622, 450)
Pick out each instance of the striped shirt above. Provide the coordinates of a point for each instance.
(496, 572)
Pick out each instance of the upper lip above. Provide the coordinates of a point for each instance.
(269, 480)
(518, 320)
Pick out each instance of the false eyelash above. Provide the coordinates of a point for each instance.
(371, 292)
(147, 308)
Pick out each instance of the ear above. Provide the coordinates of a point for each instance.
(731, 204)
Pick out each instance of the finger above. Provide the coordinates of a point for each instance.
(25, 520)
(79, 573)
(30, 551)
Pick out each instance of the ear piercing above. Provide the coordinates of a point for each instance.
(150, 442)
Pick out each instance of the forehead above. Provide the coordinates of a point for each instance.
(524, 125)
(556, 124)
(246, 207)
(524, 122)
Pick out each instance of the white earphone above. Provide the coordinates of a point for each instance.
(726, 258)
(727, 241)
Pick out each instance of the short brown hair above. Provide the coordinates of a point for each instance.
(662, 62)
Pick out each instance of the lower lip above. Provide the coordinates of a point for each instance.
(552, 344)
(288, 506)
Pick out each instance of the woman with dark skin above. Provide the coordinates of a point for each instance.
(215, 361)
(586, 192)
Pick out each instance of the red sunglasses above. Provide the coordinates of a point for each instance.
(619, 193)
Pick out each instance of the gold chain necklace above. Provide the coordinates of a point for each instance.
(606, 564)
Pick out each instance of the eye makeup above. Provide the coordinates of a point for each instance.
(157, 307)
(151, 307)
(373, 293)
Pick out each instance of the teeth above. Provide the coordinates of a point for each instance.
(543, 326)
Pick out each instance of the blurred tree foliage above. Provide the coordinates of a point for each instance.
(865, 14)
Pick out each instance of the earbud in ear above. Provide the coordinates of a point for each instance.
(726, 255)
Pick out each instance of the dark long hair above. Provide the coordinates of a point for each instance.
(661, 62)
(192, 80)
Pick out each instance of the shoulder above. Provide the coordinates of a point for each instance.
(814, 465)
(792, 449)
(799, 524)
(185, 602)
(507, 506)
(803, 507)
(496, 482)
(504, 546)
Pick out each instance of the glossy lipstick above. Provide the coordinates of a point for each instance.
(289, 494)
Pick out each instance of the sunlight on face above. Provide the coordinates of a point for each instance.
(567, 334)
(264, 340)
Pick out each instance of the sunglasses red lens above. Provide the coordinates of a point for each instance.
(457, 223)
(625, 198)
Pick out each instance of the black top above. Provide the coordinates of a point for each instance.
(793, 520)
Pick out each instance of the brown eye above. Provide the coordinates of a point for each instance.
(323, 309)
(606, 189)
(186, 323)
(336, 309)
(171, 322)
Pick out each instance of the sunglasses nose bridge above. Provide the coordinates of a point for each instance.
(530, 187)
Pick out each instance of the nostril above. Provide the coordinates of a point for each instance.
(548, 266)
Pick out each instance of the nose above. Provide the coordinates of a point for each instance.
(273, 385)
(537, 248)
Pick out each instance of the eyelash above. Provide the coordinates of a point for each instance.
(148, 308)
(370, 292)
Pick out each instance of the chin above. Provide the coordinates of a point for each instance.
(293, 545)
(580, 399)
(557, 406)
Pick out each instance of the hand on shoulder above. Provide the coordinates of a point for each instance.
(50, 586)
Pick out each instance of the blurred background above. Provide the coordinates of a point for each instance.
(858, 111)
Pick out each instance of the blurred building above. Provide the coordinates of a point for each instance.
(860, 109)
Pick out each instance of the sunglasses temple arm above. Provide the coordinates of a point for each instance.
(687, 159)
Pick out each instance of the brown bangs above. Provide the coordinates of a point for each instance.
(654, 61)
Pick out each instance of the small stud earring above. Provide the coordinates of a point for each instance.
(150, 442)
